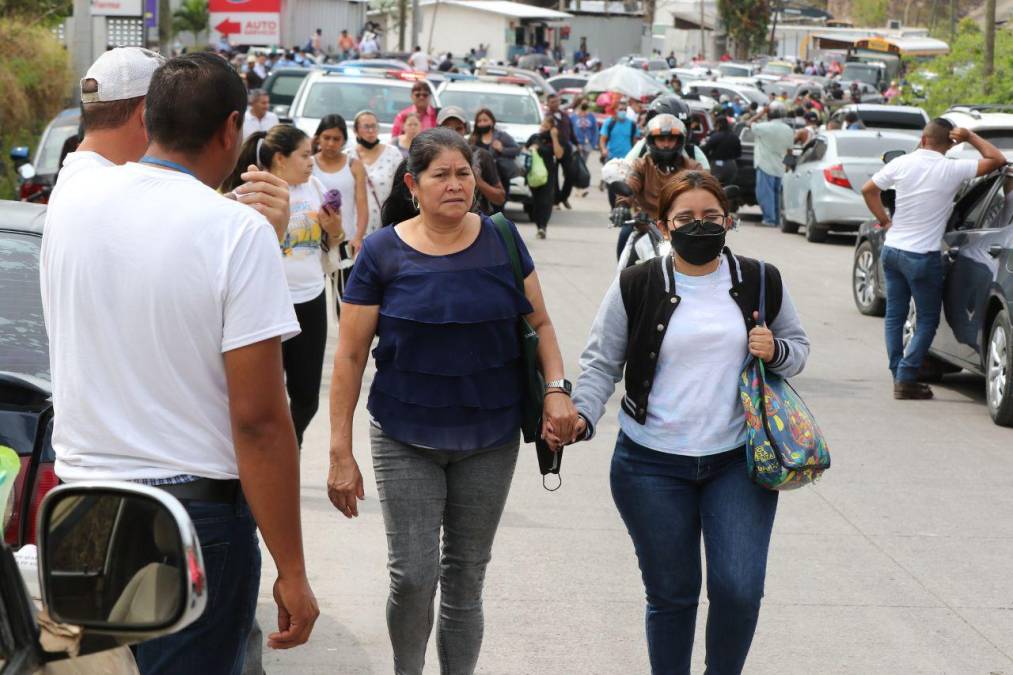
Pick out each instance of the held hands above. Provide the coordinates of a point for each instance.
(344, 485)
(267, 194)
(761, 341)
(559, 420)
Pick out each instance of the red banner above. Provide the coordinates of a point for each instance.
(242, 6)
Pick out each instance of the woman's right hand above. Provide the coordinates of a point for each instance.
(344, 485)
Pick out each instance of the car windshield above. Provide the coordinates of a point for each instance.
(284, 88)
(753, 96)
(347, 98)
(777, 69)
(730, 70)
(508, 108)
(24, 345)
(49, 154)
(892, 119)
(1000, 138)
(861, 72)
(872, 146)
(657, 65)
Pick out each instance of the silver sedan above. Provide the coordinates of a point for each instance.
(822, 186)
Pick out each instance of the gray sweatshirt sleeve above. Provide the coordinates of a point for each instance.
(601, 364)
(791, 344)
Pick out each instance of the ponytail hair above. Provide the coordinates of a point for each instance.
(260, 148)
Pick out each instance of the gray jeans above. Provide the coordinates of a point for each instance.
(422, 491)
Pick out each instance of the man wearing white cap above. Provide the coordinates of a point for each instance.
(112, 116)
(491, 195)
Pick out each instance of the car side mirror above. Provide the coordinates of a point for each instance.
(26, 172)
(120, 560)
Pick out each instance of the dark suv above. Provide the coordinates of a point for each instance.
(976, 332)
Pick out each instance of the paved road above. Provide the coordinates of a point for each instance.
(899, 561)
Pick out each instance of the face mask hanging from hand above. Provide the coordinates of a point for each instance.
(699, 242)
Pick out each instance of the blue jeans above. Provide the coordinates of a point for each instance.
(216, 642)
(911, 275)
(768, 194)
(666, 502)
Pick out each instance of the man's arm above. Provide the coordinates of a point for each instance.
(992, 158)
(874, 200)
(268, 460)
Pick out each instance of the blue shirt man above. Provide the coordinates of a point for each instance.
(617, 134)
(585, 127)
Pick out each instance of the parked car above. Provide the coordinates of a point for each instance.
(518, 112)
(281, 87)
(119, 561)
(538, 61)
(736, 69)
(26, 412)
(653, 66)
(790, 89)
(568, 81)
(908, 119)
(822, 185)
(535, 80)
(743, 95)
(376, 64)
(994, 123)
(976, 333)
(37, 172)
(323, 92)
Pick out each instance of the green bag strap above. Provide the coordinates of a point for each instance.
(501, 223)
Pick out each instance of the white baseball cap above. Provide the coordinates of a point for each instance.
(121, 73)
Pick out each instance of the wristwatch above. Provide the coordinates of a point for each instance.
(563, 385)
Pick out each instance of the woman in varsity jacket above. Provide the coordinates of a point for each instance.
(682, 326)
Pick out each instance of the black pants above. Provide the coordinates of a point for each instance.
(542, 201)
(303, 358)
(563, 193)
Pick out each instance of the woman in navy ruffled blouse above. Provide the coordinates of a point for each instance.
(439, 292)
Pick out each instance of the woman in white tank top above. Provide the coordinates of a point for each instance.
(338, 171)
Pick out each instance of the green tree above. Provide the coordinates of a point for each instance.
(958, 77)
(746, 24)
(45, 12)
(191, 17)
(870, 12)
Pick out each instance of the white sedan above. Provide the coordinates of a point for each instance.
(822, 187)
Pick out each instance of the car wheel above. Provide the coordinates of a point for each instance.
(787, 226)
(813, 231)
(864, 284)
(999, 369)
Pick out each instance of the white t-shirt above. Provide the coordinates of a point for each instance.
(301, 247)
(694, 406)
(73, 164)
(148, 277)
(925, 182)
(253, 124)
(381, 181)
(419, 61)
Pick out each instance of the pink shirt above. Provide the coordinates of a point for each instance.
(428, 119)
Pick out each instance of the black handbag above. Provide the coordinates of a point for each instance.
(533, 382)
(579, 173)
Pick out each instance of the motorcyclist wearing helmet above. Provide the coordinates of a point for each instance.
(665, 142)
(670, 104)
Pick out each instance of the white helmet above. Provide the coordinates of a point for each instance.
(616, 170)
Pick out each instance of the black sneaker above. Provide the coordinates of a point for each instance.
(541, 233)
(915, 391)
(566, 203)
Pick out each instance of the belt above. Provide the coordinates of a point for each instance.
(206, 490)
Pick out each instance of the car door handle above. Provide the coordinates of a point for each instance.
(995, 250)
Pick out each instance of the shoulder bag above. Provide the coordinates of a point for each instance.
(533, 383)
(538, 173)
(785, 448)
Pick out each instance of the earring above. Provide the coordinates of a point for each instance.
(415, 201)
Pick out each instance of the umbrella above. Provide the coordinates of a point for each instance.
(625, 80)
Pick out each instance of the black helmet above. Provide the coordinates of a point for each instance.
(667, 125)
(669, 104)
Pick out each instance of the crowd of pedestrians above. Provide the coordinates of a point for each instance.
(228, 219)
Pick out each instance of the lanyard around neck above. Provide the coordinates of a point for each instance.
(167, 164)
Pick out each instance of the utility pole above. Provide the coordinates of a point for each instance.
(83, 41)
(703, 44)
(989, 65)
(773, 30)
(416, 24)
(402, 19)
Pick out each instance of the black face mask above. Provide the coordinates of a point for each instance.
(699, 242)
(483, 129)
(369, 145)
